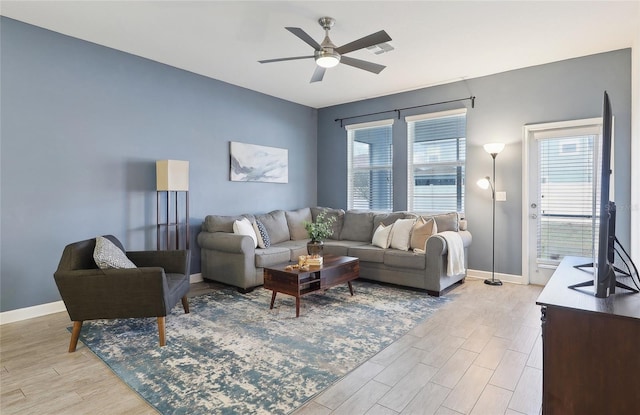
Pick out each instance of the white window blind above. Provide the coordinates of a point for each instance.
(436, 161)
(568, 161)
(369, 170)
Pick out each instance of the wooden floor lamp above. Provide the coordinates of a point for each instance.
(172, 181)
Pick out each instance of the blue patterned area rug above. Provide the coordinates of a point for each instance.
(232, 355)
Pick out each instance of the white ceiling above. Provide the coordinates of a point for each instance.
(435, 41)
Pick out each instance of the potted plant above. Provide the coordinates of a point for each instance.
(318, 231)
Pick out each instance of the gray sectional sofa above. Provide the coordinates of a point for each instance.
(233, 259)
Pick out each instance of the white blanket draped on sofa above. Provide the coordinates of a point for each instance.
(455, 263)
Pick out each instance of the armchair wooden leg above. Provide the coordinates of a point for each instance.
(185, 304)
(75, 334)
(161, 331)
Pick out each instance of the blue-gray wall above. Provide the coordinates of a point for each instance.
(505, 102)
(81, 128)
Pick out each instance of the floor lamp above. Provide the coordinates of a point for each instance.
(493, 149)
(172, 178)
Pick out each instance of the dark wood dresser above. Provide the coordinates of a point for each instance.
(591, 346)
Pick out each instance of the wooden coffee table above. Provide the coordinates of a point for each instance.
(335, 270)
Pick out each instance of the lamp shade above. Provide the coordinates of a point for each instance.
(494, 148)
(484, 183)
(172, 175)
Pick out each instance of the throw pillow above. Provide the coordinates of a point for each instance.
(244, 227)
(382, 236)
(107, 255)
(401, 234)
(261, 234)
(422, 230)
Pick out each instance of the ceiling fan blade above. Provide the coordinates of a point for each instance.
(365, 42)
(318, 74)
(360, 64)
(305, 37)
(285, 59)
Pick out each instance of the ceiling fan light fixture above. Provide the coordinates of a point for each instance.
(327, 58)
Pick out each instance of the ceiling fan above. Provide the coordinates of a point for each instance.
(328, 55)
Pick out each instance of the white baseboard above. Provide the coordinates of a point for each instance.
(486, 275)
(31, 312)
(26, 313)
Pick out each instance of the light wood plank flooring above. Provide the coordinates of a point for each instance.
(480, 354)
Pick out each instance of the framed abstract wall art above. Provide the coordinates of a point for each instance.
(254, 163)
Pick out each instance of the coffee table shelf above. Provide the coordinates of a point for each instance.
(335, 270)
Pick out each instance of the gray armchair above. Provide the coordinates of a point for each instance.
(152, 289)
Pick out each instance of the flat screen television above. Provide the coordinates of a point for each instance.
(605, 280)
(605, 272)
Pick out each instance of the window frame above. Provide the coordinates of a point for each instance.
(351, 129)
(460, 165)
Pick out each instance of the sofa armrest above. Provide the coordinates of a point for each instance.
(437, 245)
(227, 242)
(176, 262)
(113, 293)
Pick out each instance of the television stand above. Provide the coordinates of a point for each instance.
(590, 361)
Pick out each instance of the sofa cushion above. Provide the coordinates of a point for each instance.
(422, 230)
(447, 222)
(107, 255)
(296, 248)
(271, 256)
(382, 236)
(367, 253)
(337, 225)
(404, 259)
(220, 223)
(332, 247)
(401, 234)
(261, 233)
(276, 225)
(388, 218)
(244, 227)
(296, 220)
(357, 226)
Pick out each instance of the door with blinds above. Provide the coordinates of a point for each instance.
(561, 202)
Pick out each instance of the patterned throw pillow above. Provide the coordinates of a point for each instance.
(107, 255)
(261, 232)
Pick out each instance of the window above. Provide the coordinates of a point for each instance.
(369, 155)
(436, 161)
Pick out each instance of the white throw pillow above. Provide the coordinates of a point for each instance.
(107, 255)
(244, 227)
(401, 234)
(382, 236)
